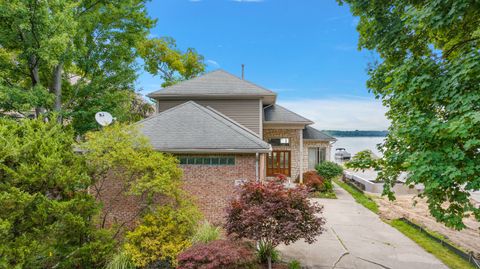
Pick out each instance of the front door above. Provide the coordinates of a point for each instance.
(278, 162)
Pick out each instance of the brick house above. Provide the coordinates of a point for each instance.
(224, 130)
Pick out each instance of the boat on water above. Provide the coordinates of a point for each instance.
(342, 154)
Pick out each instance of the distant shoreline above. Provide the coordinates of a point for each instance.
(356, 133)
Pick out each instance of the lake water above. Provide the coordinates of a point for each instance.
(356, 144)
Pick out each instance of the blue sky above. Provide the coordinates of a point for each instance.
(305, 50)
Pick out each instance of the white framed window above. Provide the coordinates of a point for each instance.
(316, 155)
(283, 141)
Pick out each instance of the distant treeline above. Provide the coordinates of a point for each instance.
(355, 133)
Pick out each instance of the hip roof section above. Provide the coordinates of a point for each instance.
(310, 133)
(281, 115)
(190, 127)
(215, 84)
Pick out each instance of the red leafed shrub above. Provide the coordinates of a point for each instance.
(271, 214)
(218, 254)
(280, 177)
(313, 181)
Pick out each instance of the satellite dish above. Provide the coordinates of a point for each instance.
(103, 118)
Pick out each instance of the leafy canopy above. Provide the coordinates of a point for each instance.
(119, 153)
(364, 159)
(46, 212)
(166, 218)
(81, 57)
(429, 79)
(164, 59)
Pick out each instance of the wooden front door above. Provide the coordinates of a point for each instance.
(278, 162)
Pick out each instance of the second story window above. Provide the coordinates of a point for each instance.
(279, 141)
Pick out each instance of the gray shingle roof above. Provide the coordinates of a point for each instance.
(310, 133)
(215, 83)
(279, 114)
(190, 127)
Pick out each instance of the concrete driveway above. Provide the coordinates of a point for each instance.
(357, 238)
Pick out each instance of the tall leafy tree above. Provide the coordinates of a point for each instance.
(46, 212)
(429, 79)
(76, 57)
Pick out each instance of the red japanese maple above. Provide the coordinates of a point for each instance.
(218, 254)
(271, 214)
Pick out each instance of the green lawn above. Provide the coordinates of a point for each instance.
(359, 196)
(324, 195)
(449, 258)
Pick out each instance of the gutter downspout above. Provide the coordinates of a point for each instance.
(301, 156)
(256, 167)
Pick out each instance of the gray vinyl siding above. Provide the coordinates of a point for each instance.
(245, 112)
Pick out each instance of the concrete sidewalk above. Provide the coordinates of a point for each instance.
(357, 238)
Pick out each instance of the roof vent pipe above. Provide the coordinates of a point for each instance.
(243, 71)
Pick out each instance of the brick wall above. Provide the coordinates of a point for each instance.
(294, 147)
(119, 209)
(213, 186)
(210, 186)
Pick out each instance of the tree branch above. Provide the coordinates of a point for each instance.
(458, 45)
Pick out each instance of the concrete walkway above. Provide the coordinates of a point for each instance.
(357, 238)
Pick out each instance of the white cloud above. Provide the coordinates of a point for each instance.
(212, 63)
(341, 113)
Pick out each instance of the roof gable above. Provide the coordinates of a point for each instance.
(190, 127)
(216, 83)
(279, 114)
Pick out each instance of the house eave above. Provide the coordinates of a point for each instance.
(288, 122)
(320, 140)
(216, 151)
(267, 98)
(284, 125)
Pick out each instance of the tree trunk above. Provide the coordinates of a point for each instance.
(35, 77)
(269, 261)
(57, 89)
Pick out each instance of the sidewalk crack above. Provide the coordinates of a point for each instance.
(376, 263)
(346, 252)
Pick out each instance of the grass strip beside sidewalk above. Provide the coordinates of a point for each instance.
(359, 196)
(442, 253)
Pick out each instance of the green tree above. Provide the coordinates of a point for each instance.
(77, 57)
(119, 152)
(46, 213)
(163, 58)
(167, 218)
(364, 159)
(428, 77)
